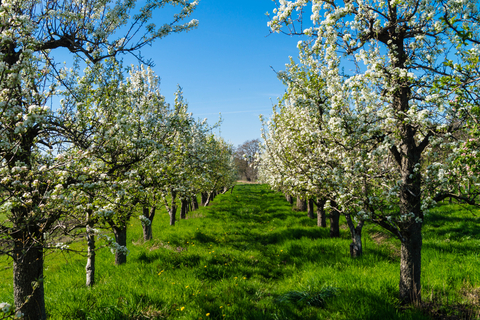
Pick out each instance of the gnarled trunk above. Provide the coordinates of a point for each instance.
(120, 233)
(289, 198)
(356, 249)
(147, 232)
(410, 264)
(301, 204)
(310, 209)
(184, 209)
(28, 290)
(147, 228)
(321, 217)
(334, 221)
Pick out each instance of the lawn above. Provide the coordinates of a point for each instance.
(250, 256)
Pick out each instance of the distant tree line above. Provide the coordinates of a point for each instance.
(243, 158)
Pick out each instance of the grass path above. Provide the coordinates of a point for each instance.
(249, 256)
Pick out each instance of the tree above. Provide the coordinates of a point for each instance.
(220, 172)
(244, 155)
(393, 103)
(31, 134)
(297, 155)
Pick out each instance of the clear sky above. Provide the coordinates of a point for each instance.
(224, 66)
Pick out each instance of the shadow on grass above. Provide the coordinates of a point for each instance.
(255, 246)
(448, 221)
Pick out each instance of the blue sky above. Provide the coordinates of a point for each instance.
(224, 66)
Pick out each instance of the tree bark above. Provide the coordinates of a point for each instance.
(410, 230)
(172, 209)
(410, 265)
(184, 209)
(334, 221)
(147, 232)
(301, 204)
(28, 288)
(120, 238)
(194, 203)
(147, 229)
(289, 198)
(172, 213)
(90, 267)
(204, 198)
(356, 249)
(310, 208)
(321, 217)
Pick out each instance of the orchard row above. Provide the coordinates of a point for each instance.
(380, 118)
(108, 144)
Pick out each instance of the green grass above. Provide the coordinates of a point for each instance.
(250, 256)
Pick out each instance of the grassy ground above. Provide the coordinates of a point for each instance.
(249, 256)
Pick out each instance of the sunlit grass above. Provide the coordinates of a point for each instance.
(237, 258)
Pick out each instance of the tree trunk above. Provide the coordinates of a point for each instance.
(147, 232)
(334, 221)
(289, 198)
(147, 228)
(321, 217)
(172, 209)
(407, 155)
(311, 214)
(301, 204)
(410, 230)
(410, 264)
(28, 288)
(208, 201)
(90, 267)
(120, 238)
(172, 212)
(184, 209)
(356, 234)
(204, 198)
(194, 203)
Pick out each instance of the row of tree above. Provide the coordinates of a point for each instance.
(398, 132)
(110, 145)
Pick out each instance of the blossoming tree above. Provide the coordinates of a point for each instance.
(30, 32)
(398, 52)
